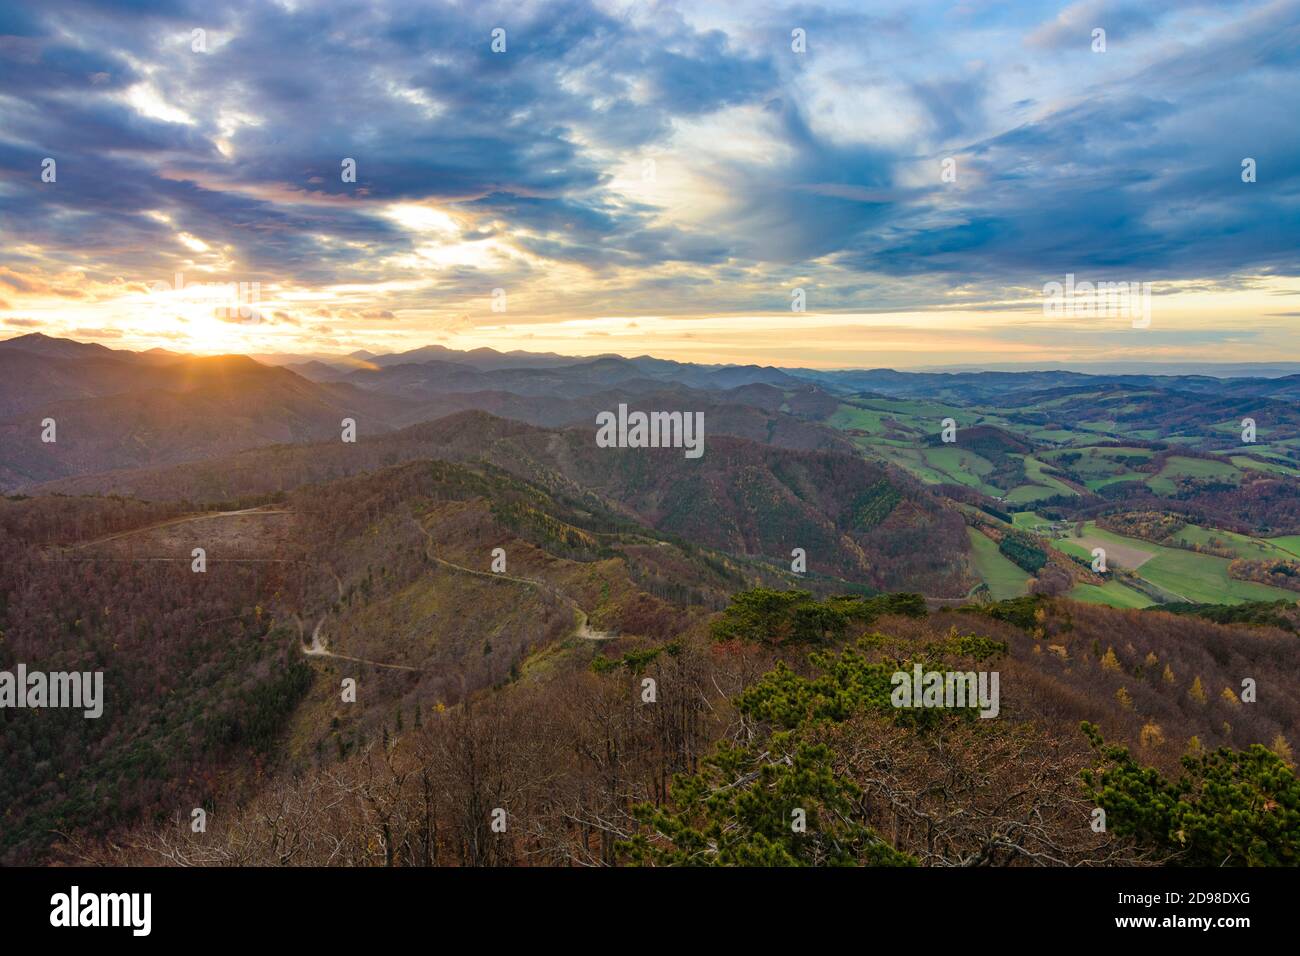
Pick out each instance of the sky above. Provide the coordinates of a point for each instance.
(819, 185)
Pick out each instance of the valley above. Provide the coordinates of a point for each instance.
(459, 572)
(691, 437)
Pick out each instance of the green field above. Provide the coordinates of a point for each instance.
(1241, 461)
(1055, 435)
(909, 459)
(1112, 593)
(1031, 521)
(1034, 469)
(902, 432)
(851, 416)
(1289, 542)
(1180, 467)
(1027, 494)
(961, 466)
(1005, 580)
(1243, 546)
(1066, 546)
(1100, 466)
(1185, 575)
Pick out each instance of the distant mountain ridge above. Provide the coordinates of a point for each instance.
(116, 409)
(855, 518)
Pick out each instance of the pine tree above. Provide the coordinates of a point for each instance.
(716, 822)
(1197, 692)
(1228, 808)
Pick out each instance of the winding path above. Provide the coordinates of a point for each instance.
(317, 648)
(584, 629)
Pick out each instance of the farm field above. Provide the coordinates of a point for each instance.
(1272, 467)
(1289, 543)
(1040, 486)
(1094, 440)
(1099, 466)
(1244, 546)
(1031, 521)
(1004, 579)
(960, 466)
(1112, 593)
(1185, 575)
(1130, 553)
(901, 431)
(1180, 467)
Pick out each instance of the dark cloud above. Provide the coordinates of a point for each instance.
(1131, 171)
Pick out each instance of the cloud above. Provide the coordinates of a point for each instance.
(1073, 26)
(775, 169)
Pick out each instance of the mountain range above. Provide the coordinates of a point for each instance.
(117, 409)
(473, 556)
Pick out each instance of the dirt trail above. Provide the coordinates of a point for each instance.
(584, 630)
(317, 648)
(184, 519)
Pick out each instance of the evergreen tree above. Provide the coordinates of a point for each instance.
(1229, 807)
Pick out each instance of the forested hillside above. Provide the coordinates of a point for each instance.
(741, 730)
(481, 640)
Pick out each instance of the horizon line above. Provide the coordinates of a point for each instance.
(298, 358)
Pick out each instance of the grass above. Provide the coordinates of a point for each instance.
(965, 466)
(1122, 552)
(1241, 461)
(1204, 579)
(851, 416)
(1026, 494)
(1186, 575)
(1180, 467)
(933, 412)
(1111, 593)
(1034, 469)
(1096, 484)
(1100, 466)
(1005, 580)
(1057, 435)
(909, 459)
(1288, 542)
(1103, 428)
(960, 466)
(1243, 546)
(1030, 521)
(1068, 546)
